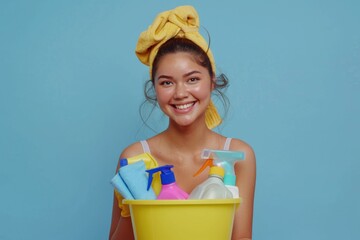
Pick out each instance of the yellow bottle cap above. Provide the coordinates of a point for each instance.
(216, 170)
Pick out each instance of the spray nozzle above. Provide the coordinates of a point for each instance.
(217, 170)
(167, 176)
(207, 163)
(225, 159)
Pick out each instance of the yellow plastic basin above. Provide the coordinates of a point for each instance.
(182, 219)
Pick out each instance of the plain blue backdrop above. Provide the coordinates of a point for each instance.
(71, 87)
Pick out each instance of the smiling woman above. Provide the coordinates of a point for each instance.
(182, 70)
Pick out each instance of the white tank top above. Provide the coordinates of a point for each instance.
(146, 147)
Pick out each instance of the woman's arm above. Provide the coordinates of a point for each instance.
(121, 227)
(245, 180)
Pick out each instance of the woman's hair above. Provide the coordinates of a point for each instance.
(175, 45)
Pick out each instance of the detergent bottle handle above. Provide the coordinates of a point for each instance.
(207, 163)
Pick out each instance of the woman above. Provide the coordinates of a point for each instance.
(182, 70)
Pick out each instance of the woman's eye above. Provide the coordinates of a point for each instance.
(166, 83)
(193, 80)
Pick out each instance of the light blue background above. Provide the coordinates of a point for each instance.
(71, 87)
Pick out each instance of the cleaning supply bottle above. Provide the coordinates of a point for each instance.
(169, 190)
(213, 187)
(227, 160)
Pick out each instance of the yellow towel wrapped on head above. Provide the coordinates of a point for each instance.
(181, 22)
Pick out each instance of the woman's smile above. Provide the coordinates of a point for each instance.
(183, 107)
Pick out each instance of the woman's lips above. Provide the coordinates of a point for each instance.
(183, 108)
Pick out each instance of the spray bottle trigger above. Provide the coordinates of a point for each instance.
(167, 176)
(151, 172)
(207, 163)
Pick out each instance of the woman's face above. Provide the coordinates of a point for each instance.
(183, 88)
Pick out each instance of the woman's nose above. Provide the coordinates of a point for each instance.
(180, 91)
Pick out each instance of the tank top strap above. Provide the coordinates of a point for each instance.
(145, 146)
(227, 143)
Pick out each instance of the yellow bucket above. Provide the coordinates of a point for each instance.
(210, 219)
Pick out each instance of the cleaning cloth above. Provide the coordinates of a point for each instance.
(136, 179)
(150, 162)
(121, 187)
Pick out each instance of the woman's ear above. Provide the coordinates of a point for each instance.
(213, 83)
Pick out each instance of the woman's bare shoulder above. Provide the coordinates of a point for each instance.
(240, 145)
(136, 148)
(132, 150)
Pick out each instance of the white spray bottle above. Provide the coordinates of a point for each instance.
(213, 187)
(226, 159)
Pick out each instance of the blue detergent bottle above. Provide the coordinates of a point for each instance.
(169, 190)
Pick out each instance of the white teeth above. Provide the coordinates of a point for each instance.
(184, 106)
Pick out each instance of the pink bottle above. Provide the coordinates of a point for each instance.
(169, 190)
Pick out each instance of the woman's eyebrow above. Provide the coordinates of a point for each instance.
(185, 75)
(164, 76)
(190, 73)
